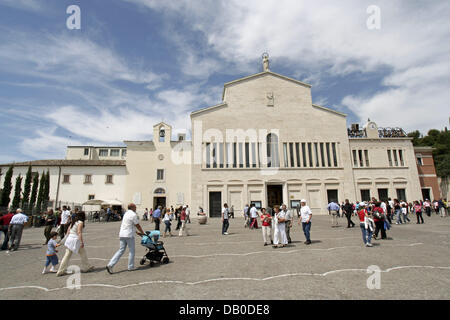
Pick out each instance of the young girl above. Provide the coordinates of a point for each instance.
(52, 257)
(266, 221)
(365, 224)
(167, 221)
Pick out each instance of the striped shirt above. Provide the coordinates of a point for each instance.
(19, 218)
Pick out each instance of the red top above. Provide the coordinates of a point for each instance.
(6, 219)
(183, 215)
(266, 223)
(362, 214)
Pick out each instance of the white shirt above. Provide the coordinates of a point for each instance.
(383, 206)
(305, 213)
(288, 215)
(65, 216)
(19, 218)
(253, 212)
(225, 213)
(188, 211)
(280, 215)
(128, 226)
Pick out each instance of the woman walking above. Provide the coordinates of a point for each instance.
(418, 210)
(398, 211)
(266, 221)
(379, 217)
(75, 244)
(167, 221)
(365, 225)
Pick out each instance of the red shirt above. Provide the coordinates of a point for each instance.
(6, 219)
(183, 215)
(362, 214)
(266, 223)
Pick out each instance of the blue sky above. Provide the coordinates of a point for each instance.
(137, 62)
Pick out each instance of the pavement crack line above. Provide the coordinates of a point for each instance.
(217, 279)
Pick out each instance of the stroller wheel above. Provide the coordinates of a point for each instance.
(142, 262)
(165, 260)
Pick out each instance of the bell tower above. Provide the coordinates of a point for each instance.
(162, 133)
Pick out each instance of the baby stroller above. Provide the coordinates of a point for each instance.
(155, 249)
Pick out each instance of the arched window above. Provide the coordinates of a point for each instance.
(162, 134)
(160, 191)
(273, 159)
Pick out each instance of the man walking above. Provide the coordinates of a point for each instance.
(16, 228)
(254, 216)
(65, 222)
(333, 209)
(128, 227)
(348, 211)
(306, 215)
(288, 221)
(188, 214)
(157, 217)
(225, 217)
(183, 219)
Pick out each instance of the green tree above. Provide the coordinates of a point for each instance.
(46, 195)
(40, 196)
(27, 190)
(7, 187)
(34, 191)
(17, 190)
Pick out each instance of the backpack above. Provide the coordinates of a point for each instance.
(378, 213)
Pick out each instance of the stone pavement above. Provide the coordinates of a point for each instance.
(206, 265)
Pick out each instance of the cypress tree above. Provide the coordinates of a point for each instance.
(40, 196)
(46, 196)
(17, 190)
(7, 187)
(27, 190)
(34, 191)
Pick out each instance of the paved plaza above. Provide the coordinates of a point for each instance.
(414, 264)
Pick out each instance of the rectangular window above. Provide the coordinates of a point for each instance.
(91, 197)
(335, 161)
(310, 154)
(400, 155)
(160, 174)
(109, 179)
(419, 160)
(115, 152)
(297, 153)
(241, 155)
(247, 155)
(355, 159)
(361, 160)
(316, 152)
(208, 154)
(389, 158)
(328, 154)
(366, 155)
(285, 152)
(304, 154)
(365, 195)
(291, 150)
(395, 157)
(254, 155)
(214, 155)
(221, 155)
(322, 155)
(103, 153)
(227, 155)
(234, 155)
(124, 152)
(86, 151)
(401, 194)
(383, 194)
(66, 178)
(88, 179)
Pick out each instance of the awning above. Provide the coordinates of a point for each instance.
(111, 203)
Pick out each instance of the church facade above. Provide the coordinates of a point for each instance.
(265, 143)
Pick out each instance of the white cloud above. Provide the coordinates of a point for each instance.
(329, 37)
(30, 5)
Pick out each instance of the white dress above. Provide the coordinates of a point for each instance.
(72, 242)
(279, 235)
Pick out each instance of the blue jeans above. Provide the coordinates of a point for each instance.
(124, 242)
(398, 214)
(366, 234)
(51, 259)
(306, 230)
(168, 224)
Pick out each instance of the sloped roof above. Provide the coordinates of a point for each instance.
(68, 163)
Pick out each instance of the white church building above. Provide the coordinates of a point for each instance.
(265, 143)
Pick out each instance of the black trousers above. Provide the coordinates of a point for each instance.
(6, 240)
(379, 225)
(350, 223)
(419, 215)
(157, 221)
(225, 225)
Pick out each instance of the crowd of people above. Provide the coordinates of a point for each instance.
(375, 219)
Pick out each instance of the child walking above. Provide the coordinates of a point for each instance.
(52, 257)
